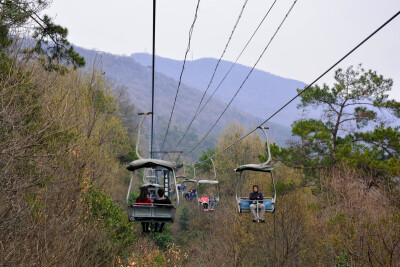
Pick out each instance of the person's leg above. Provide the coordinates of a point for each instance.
(253, 211)
(212, 205)
(143, 226)
(147, 227)
(262, 210)
(156, 229)
(161, 227)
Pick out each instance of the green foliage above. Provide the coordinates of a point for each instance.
(353, 100)
(375, 151)
(206, 167)
(338, 219)
(130, 156)
(132, 197)
(163, 239)
(282, 188)
(184, 219)
(36, 205)
(51, 44)
(101, 210)
(342, 260)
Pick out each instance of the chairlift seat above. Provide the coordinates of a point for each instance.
(244, 204)
(152, 213)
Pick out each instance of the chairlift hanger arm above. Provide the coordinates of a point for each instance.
(138, 137)
(263, 128)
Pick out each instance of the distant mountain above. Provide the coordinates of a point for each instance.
(136, 77)
(262, 94)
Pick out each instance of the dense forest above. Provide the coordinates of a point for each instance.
(67, 134)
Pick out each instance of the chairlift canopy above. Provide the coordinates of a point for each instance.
(255, 167)
(149, 163)
(151, 185)
(207, 182)
(189, 181)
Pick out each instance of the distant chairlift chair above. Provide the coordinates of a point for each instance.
(203, 184)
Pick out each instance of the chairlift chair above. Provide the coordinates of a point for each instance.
(244, 203)
(202, 185)
(165, 169)
(187, 182)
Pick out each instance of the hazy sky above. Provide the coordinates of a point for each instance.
(315, 35)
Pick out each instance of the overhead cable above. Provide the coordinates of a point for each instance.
(183, 69)
(213, 75)
(244, 81)
(305, 89)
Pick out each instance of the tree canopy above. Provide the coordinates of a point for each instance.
(49, 40)
(357, 125)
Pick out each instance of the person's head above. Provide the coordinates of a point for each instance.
(204, 195)
(255, 188)
(161, 192)
(210, 194)
(143, 193)
(192, 188)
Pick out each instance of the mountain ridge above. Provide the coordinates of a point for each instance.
(261, 95)
(136, 78)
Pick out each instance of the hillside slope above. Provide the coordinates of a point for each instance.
(137, 78)
(261, 95)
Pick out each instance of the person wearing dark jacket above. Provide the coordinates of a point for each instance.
(257, 204)
(162, 199)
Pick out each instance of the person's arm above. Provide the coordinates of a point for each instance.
(261, 196)
(252, 196)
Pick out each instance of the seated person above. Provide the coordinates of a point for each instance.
(186, 195)
(257, 204)
(211, 204)
(204, 202)
(162, 199)
(143, 199)
(192, 194)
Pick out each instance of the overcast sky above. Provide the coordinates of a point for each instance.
(315, 35)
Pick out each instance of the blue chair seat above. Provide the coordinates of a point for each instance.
(244, 205)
